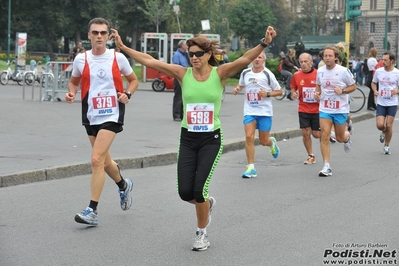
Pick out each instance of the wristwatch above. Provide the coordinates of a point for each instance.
(268, 94)
(343, 91)
(128, 94)
(262, 42)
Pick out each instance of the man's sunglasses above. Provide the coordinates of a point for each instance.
(197, 54)
(96, 32)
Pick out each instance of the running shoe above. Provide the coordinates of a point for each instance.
(310, 160)
(387, 150)
(274, 149)
(382, 136)
(201, 242)
(326, 171)
(251, 172)
(87, 216)
(212, 203)
(350, 127)
(126, 195)
(348, 145)
(332, 137)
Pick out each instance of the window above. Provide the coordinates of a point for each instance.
(373, 4)
(371, 45)
(391, 5)
(389, 26)
(341, 4)
(372, 26)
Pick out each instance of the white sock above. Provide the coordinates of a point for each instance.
(252, 165)
(203, 230)
(327, 164)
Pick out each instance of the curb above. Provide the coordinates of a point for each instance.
(137, 163)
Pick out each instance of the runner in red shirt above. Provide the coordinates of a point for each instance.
(303, 86)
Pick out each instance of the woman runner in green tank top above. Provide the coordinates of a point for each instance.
(201, 138)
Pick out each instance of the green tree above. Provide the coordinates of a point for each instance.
(249, 19)
(281, 12)
(318, 9)
(157, 11)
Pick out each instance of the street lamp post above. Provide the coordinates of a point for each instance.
(386, 26)
(9, 33)
(314, 18)
(219, 2)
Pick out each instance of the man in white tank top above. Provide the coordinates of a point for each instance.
(103, 108)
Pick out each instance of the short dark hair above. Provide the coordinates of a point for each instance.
(98, 21)
(391, 55)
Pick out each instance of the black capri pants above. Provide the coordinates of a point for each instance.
(199, 153)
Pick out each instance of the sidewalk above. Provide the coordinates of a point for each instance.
(45, 140)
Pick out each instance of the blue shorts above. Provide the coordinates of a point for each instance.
(386, 110)
(263, 123)
(337, 119)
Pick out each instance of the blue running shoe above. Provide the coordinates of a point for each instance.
(251, 172)
(88, 216)
(126, 196)
(274, 149)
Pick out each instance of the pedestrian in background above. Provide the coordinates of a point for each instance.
(179, 58)
(371, 63)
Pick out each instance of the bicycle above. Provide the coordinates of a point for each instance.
(33, 75)
(282, 80)
(8, 74)
(357, 100)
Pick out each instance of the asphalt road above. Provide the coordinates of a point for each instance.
(287, 216)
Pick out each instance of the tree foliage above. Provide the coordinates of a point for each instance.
(47, 21)
(249, 20)
(156, 11)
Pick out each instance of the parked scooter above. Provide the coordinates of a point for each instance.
(162, 82)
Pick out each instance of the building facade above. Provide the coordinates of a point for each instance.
(379, 18)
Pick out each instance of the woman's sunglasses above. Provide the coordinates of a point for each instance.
(197, 54)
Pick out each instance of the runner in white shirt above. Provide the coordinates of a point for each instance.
(98, 73)
(333, 84)
(387, 99)
(260, 84)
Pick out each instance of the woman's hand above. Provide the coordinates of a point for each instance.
(118, 40)
(270, 34)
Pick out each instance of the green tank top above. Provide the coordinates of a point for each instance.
(201, 102)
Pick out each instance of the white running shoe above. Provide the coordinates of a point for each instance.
(348, 145)
(386, 150)
(382, 136)
(326, 171)
(201, 242)
(332, 137)
(212, 203)
(350, 127)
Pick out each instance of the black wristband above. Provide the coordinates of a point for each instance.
(268, 94)
(128, 94)
(262, 42)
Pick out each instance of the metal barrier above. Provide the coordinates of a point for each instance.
(53, 80)
(32, 87)
(58, 81)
